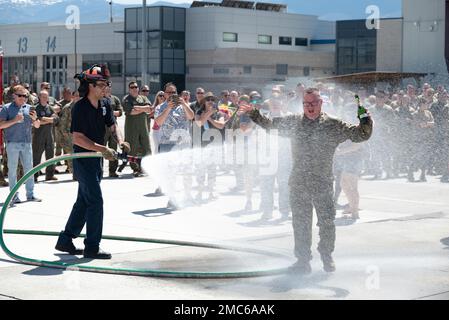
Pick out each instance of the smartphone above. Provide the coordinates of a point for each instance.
(175, 99)
(32, 108)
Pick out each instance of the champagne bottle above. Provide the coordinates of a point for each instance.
(362, 113)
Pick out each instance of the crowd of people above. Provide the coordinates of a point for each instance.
(411, 134)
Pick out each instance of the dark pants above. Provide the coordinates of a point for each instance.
(302, 200)
(88, 208)
(43, 143)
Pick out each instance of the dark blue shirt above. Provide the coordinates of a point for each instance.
(19, 132)
(91, 121)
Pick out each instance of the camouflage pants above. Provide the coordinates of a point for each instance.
(67, 147)
(303, 198)
(139, 141)
(111, 143)
(59, 142)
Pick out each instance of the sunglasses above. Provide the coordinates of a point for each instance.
(145, 90)
(133, 87)
(101, 85)
(171, 92)
(160, 96)
(210, 99)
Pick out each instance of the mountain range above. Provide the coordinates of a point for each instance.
(54, 11)
(96, 11)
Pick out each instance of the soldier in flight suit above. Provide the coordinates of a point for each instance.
(137, 108)
(314, 138)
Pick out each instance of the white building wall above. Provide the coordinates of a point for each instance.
(389, 45)
(32, 40)
(91, 38)
(205, 27)
(423, 40)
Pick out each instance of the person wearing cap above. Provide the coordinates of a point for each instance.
(89, 117)
(314, 139)
(208, 118)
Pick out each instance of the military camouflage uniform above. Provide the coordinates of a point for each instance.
(108, 139)
(313, 144)
(58, 137)
(136, 128)
(63, 131)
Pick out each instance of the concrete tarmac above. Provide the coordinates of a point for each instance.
(399, 249)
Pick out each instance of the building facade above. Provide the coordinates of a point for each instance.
(165, 42)
(248, 48)
(53, 53)
(426, 36)
(360, 49)
(233, 44)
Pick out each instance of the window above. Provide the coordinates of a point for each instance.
(169, 19)
(282, 69)
(114, 62)
(247, 70)
(230, 37)
(306, 71)
(178, 66)
(301, 42)
(153, 18)
(287, 41)
(221, 71)
(180, 20)
(264, 39)
(167, 65)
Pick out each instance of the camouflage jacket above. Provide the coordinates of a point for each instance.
(313, 142)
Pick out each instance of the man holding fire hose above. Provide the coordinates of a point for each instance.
(90, 116)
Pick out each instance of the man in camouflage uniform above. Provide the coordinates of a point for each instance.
(109, 141)
(63, 128)
(137, 108)
(314, 138)
(66, 99)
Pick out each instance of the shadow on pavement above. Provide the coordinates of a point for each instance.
(264, 222)
(239, 213)
(47, 271)
(153, 213)
(290, 282)
(445, 241)
(344, 222)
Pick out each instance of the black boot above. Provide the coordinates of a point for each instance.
(328, 262)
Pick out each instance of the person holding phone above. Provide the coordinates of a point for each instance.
(173, 118)
(17, 118)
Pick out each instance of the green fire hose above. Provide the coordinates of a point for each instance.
(123, 271)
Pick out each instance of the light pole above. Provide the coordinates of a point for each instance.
(110, 10)
(144, 43)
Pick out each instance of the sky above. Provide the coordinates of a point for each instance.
(325, 9)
